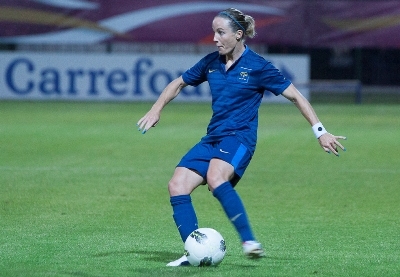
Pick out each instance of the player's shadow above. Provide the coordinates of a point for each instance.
(155, 256)
(165, 256)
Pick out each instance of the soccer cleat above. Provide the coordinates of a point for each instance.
(253, 249)
(182, 261)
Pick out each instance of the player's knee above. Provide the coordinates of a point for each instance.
(173, 188)
(214, 180)
(177, 187)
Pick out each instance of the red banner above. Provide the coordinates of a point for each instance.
(292, 23)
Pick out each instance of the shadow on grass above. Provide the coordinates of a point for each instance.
(154, 256)
(79, 274)
(231, 268)
(167, 256)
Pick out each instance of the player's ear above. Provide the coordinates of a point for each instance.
(239, 34)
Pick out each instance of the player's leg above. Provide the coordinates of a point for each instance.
(183, 182)
(223, 173)
(188, 175)
(223, 190)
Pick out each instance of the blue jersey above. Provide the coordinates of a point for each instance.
(236, 93)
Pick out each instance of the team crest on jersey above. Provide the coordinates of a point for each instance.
(244, 75)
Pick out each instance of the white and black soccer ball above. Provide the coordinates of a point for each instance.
(205, 247)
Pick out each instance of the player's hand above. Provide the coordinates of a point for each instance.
(149, 120)
(330, 143)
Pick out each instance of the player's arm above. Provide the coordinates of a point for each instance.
(327, 141)
(151, 118)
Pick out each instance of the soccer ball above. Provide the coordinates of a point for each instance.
(205, 247)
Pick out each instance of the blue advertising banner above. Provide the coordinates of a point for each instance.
(115, 77)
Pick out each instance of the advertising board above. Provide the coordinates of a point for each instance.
(114, 77)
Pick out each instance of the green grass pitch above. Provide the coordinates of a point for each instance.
(84, 193)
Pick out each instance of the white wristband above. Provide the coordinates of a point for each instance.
(318, 129)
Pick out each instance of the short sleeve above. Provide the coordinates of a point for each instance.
(272, 79)
(197, 74)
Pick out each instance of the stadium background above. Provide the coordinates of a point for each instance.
(352, 48)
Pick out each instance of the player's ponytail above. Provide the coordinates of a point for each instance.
(251, 26)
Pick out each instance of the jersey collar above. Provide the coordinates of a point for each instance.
(222, 57)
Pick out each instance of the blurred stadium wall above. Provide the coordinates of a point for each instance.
(353, 50)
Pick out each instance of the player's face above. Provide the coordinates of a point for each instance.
(224, 36)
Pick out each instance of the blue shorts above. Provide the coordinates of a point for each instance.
(229, 149)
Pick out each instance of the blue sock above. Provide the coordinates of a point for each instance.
(184, 215)
(234, 209)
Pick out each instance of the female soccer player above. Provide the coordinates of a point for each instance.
(238, 78)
